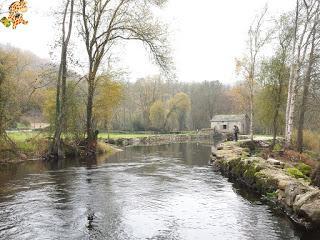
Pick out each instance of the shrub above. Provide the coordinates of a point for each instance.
(277, 147)
(304, 168)
(103, 148)
(296, 173)
(271, 195)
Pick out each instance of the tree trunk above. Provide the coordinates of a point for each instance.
(275, 127)
(56, 150)
(292, 85)
(305, 95)
(290, 117)
(251, 104)
(90, 130)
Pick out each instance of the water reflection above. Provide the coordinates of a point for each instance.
(159, 192)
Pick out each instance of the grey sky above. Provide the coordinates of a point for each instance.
(206, 36)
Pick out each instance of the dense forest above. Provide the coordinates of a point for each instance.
(278, 78)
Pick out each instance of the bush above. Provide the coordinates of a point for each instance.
(271, 195)
(296, 173)
(304, 168)
(277, 147)
(103, 148)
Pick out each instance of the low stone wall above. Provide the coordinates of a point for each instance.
(158, 139)
(299, 200)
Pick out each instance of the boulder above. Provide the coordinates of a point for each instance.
(305, 198)
(292, 191)
(311, 211)
(22, 156)
(275, 162)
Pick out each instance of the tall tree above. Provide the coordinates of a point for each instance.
(179, 104)
(274, 79)
(105, 23)
(157, 114)
(61, 98)
(108, 99)
(256, 40)
(7, 100)
(305, 12)
(307, 79)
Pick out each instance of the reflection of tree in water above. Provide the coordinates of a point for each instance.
(83, 200)
(103, 211)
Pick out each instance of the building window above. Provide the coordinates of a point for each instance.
(224, 127)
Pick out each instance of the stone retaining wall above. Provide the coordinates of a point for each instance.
(299, 200)
(158, 139)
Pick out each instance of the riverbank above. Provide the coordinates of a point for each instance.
(271, 178)
(34, 145)
(36, 148)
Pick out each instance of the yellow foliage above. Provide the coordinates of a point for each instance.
(157, 114)
(238, 95)
(180, 101)
(109, 97)
(49, 105)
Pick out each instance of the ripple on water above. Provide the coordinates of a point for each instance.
(164, 192)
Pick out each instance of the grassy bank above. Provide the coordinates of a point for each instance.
(34, 145)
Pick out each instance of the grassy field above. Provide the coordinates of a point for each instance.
(22, 136)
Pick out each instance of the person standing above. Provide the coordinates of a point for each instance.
(236, 132)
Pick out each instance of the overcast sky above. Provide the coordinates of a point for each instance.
(206, 36)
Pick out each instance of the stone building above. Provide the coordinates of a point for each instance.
(225, 123)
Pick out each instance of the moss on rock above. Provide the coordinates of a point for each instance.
(286, 186)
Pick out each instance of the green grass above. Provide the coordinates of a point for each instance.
(123, 135)
(30, 143)
(23, 136)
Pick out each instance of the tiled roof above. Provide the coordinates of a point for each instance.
(228, 118)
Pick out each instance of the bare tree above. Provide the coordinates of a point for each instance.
(304, 14)
(257, 39)
(105, 23)
(68, 13)
(308, 77)
(274, 78)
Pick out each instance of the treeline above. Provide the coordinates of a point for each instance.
(95, 28)
(155, 104)
(22, 75)
(279, 79)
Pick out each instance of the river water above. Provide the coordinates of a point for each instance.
(159, 192)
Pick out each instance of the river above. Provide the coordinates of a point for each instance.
(158, 192)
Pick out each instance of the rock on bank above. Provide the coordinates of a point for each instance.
(299, 200)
